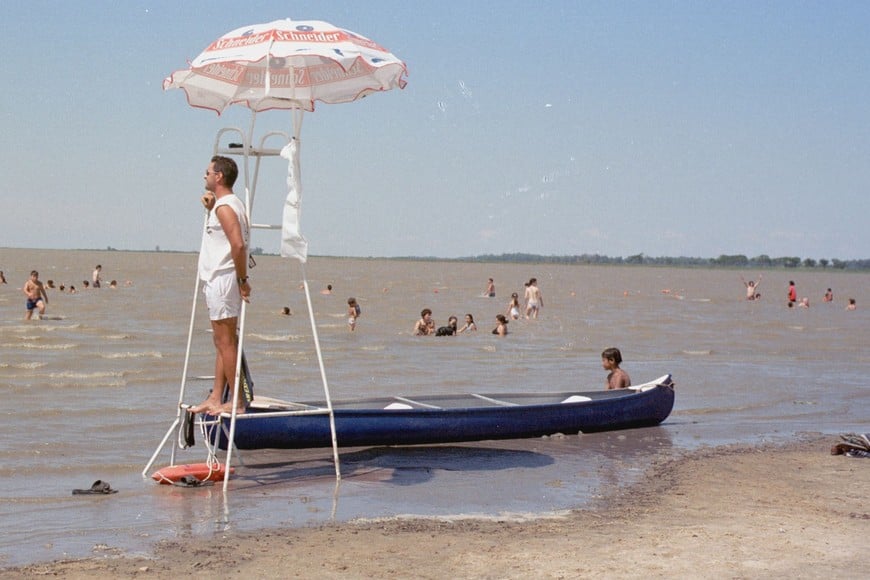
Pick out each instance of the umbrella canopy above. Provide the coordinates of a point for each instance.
(287, 64)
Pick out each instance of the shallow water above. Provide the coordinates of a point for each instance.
(90, 391)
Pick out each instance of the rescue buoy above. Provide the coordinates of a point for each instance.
(200, 471)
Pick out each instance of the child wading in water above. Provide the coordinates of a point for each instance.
(611, 358)
(353, 312)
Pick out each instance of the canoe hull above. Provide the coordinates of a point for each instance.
(418, 426)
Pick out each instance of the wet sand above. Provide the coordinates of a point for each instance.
(733, 512)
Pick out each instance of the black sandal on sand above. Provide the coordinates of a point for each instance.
(99, 487)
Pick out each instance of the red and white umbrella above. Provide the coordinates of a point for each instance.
(288, 64)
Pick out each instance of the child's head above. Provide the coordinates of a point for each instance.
(351, 301)
(613, 355)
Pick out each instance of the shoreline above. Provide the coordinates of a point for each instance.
(788, 510)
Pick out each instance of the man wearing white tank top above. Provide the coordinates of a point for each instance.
(223, 270)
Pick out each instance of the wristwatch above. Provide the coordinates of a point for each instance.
(243, 280)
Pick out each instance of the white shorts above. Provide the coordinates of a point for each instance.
(223, 297)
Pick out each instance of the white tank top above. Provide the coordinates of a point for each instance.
(215, 256)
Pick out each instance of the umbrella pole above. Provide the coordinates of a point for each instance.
(322, 373)
(298, 115)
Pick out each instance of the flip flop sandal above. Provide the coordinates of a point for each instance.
(99, 487)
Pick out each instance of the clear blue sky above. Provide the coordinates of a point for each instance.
(663, 128)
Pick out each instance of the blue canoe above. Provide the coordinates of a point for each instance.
(274, 424)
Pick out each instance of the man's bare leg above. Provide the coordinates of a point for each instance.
(226, 346)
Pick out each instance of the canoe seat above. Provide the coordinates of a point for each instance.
(576, 399)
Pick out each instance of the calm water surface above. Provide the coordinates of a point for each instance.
(90, 391)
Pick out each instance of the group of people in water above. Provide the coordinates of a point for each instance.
(36, 291)
(534, 301)
(611, 357)
(425, 326)
(752, 293)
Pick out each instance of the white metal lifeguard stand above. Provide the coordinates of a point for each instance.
(226, 144)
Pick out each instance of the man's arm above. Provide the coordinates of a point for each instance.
(233, 230)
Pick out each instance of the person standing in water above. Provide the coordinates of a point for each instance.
(513, 310)
(534, 299)
(450, 329)
(751, 287)
(501, 325)
(490, 289)
(353, 312)
(425, 326)
(36, 296)
(223, 270)
(470, 326)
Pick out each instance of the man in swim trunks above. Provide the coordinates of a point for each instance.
(223, 270)
(36, 296)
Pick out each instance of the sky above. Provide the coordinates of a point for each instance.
(682, 128)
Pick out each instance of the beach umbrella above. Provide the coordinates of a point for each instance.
(288, 64)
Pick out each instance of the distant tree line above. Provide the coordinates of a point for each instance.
(723, 261)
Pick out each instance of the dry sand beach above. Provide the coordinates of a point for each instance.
(732, 512)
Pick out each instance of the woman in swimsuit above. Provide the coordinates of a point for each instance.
(353, 312)
(514, 306)
(501, 329)
(469, 324)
